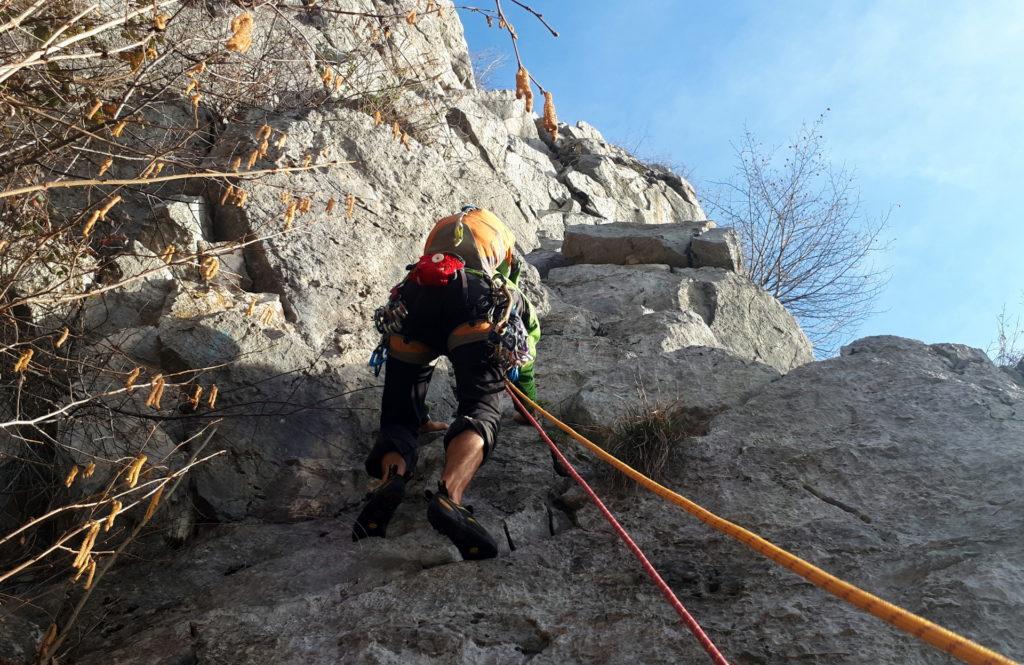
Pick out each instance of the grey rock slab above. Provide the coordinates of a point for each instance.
(623, 243)
(895, 466)
(717, 248)
(183, 223)
(593, 382)
(145, 283)
(742, 317)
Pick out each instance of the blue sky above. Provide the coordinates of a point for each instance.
(927, 106)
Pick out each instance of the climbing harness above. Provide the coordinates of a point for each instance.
(942, 638)
(666, 591)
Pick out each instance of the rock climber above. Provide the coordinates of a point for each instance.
(461, 300)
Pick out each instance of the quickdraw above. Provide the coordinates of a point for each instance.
(509, 336)
(388, 320)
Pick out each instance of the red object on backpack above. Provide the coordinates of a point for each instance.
(436, 269)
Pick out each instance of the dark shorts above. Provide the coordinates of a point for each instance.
(442, 320)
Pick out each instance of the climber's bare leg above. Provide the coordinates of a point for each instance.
(389, 460)
(464, 456)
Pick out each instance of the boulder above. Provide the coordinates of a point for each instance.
(630, 244)
(183, 223)
(717, 248)
(598, 380)
(145, 282)
(742, 317)
(680, 245)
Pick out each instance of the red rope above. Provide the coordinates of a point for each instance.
(666, 591)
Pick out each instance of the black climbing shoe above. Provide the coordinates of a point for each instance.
(458, 524)
(380, 507)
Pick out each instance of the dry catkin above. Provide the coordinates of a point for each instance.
(59, 342)
(89, 223)
(160, 22)
(251, 309)
(410, 18)
(550, 119)
(129, 383)
(93, 109)
(90, 469)
(236, 163)
(253, 156)
(153, 503)
(91, 574)
(228, 193)
(378, 119)
(113, 201)
(132, 475)
(396, 131)
(23, 361)
(264, 132)
(210, 267)
(115, 510)
(197, 392)
(71, 476)
(329, 208)
(523, 90)
(168, 254)
(105, 166)
(88, 541)
(350, 206)
(241, 33)
(156, 392)
(119, 129)
(211, 398)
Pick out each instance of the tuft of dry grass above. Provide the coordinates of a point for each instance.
(647, 434)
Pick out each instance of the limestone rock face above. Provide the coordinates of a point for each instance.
(611, 184)
(896, 465)
(843, 462)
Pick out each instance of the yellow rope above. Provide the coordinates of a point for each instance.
(939, 637)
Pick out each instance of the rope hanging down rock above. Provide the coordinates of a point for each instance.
(942, 638)
(666, 591)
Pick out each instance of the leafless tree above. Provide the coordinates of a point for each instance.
(487, 65)
(1008, 348)
(805, 237)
